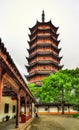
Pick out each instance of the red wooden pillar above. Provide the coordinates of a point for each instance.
(25, 106)
(1, 85)
(30, 107)
(18, 111)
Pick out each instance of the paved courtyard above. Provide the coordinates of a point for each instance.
(50, 122)
(46, 122)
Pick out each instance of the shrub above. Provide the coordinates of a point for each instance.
(75, 115)
(7, 117)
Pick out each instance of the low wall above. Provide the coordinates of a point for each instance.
(56, 113)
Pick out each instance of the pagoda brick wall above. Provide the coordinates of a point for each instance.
(36, 79)
(43, 68)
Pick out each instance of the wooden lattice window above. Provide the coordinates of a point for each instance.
(6, 108)
(14, 108)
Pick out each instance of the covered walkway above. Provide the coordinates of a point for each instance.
(15, 96)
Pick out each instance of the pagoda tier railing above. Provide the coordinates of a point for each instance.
(43, 53)
(40, 73)
(43, 38)
(39, 45)
(43, 30)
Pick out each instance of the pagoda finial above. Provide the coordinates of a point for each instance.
(43, 16)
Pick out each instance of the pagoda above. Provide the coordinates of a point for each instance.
(43, 51)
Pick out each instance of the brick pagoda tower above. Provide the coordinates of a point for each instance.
(43, 52)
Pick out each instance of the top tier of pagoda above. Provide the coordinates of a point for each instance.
(43, 51)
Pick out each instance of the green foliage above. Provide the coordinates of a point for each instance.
(62, 86)
(34, 89)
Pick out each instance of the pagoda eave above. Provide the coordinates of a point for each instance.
(44, 63)
(55, 41)
(43, 54)
(43, 23)
(43, 37)
(29, 36)
(26, 66)
(39, 74)
(27, 58)
(35, 74)
(60, 58)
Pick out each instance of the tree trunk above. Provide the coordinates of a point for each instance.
(62, 100)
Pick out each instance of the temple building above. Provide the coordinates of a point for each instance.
(43, 51)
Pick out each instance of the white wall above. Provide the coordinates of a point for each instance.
(41, 109)
(50, 109)
(53, 109)
(11, 103)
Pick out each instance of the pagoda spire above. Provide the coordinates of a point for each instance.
(43, 16)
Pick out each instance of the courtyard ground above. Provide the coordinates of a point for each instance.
(52, 122)
(7, 125)
(44, 122)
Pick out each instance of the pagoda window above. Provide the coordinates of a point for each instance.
(44, 67)
(44, 57)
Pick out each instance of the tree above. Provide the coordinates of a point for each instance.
(62, 87)
(56, 88)
(34, 89)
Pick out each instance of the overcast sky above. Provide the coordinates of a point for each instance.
(16, 16)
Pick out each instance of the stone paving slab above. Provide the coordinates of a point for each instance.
(45, 122)
(10, 125)
(67, 122)
(7, 125)
(53, 122)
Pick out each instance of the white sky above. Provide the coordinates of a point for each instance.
(16, 16)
